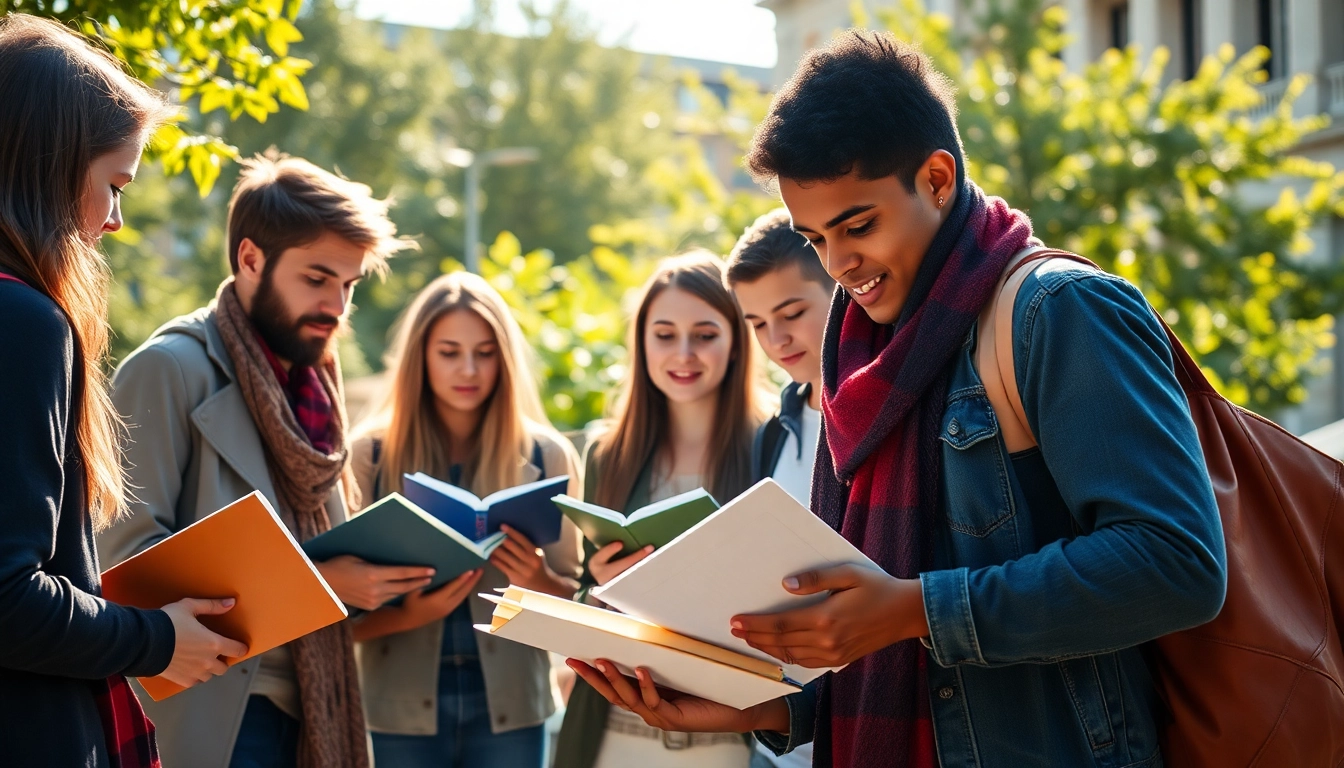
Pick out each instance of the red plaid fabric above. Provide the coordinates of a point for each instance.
(878, 470)
(307, 398)
(129, 733)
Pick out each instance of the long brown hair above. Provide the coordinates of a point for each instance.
(414, 440)
(639, 424)
(63, 104)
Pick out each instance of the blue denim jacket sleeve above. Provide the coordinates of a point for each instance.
(1095, 371)
(802, 722)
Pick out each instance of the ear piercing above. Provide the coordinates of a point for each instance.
(940, 201)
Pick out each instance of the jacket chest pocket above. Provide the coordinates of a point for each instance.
(978, 498)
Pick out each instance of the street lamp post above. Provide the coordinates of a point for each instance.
(475, 165)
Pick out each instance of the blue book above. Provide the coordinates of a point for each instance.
(395, 531)
(527, 508)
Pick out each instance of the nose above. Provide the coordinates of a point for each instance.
(469, 364)
(777, 336)
(684, 348)
(837, 263)
(113, 223)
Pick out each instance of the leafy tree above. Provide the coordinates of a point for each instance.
(1143, 177)
(213, 55)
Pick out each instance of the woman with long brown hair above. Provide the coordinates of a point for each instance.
(685, 419)
(462, 407)
(72, 127)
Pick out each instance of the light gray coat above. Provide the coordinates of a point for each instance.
(194, 449)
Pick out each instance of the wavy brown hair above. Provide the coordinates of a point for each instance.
(63, 104)
(639, 428)
(414, 439)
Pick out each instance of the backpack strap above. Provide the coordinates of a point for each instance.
(4, 276)
(377, 470)
(538, 458)
(994, 349)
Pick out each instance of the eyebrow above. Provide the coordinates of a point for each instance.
(324, 269)
(713, 323)
(853, 210)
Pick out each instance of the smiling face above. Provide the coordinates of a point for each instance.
(688, 346)
(462, 361)
(788, 313)
(871, 234)
(100, 206)
(301, 301)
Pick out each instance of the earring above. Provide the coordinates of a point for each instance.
(940, 201)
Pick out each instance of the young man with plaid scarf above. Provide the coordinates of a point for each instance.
(1004, 630)
(246, 395)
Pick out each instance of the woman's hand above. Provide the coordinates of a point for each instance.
(674, 711)
(197, 651)
(525, 566)
(418, 609)
(368, 586)
(605, 569)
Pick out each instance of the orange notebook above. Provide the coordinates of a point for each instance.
(242, 551)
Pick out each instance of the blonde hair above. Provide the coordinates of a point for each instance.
(414, 440)
(639, 427)
(65, 104)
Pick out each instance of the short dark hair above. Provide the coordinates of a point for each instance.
(866, 102)
(770, 244)
(283, 202)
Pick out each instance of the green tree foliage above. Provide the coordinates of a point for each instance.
(1146, 177)
(621, 181)
(230, 56)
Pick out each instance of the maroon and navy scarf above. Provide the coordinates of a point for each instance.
(877, 474)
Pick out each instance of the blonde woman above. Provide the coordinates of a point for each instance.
(463, 407)
(686, 416)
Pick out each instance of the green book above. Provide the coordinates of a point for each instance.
(655, 524)
(396, 532)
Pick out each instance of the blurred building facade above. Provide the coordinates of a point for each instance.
(1303, 36)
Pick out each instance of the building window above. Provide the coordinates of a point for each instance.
(1192, 49)
(1120, 25)
(1272, 32)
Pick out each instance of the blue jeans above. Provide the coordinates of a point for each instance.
(268, 738)
(464, 739)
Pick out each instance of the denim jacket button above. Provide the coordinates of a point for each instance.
(953, 428)
(946, 692)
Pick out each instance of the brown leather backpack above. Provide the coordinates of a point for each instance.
(1263, 684)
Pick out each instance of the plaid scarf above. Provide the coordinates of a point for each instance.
(127, 730)
(307, 398)
(332, 731)
(129, 733)
(877, 476)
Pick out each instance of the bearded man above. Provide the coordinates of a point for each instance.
(245, 395)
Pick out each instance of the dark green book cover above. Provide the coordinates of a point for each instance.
(396, 532)
(655, 524)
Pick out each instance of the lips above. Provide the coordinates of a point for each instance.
(860, 290)
(791, 359)
(684, 377)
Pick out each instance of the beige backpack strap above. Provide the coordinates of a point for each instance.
(994, 354)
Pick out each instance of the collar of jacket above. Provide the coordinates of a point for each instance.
(791, 403)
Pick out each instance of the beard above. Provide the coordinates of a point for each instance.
(283, 333)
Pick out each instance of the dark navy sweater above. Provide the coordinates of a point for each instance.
(56, 634)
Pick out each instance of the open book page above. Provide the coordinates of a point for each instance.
(733, 562)
(587, 633)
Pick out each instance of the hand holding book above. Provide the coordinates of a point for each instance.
(676, 711)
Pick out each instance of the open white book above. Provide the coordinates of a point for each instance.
(733, 562)
(587, 633)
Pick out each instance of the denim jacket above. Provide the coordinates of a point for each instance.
(1036, 616)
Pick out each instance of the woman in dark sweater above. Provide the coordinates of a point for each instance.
(72, 128)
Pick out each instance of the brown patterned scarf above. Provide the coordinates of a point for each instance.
(332, 731)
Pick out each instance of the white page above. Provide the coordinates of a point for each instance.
(672, 668)
(668, 503)
(732, 562)
(592, 509)
(517, 490)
